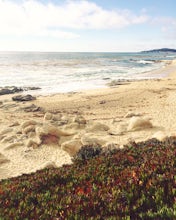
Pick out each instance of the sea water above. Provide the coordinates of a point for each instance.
(70, 72)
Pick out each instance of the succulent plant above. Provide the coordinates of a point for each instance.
(136, 182)
(88, 152)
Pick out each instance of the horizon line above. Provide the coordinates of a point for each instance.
(38, 51)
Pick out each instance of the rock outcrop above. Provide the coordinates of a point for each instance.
(67, 132)
(91, 139)
(160, 135)
(98, 127)
(13, 89)
(71, 147)
(138, 123)
(23, 98)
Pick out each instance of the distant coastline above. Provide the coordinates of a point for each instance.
(165, 50)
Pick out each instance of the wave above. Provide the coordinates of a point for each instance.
(145, 61)
(64, 73)
(171, 56)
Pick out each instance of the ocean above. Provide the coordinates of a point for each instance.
(71, 72)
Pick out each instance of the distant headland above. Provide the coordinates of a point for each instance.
(167, 50)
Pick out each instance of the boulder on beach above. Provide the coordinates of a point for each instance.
(57, 117)
(13, 145)
(28, 123)
(30, 88)
(50, 129)
(48, 116)
(52, 117)
(5, 131)
(14, 124)
(132, 114)
(160, 135)
(118, 83)
(138, 123)
(50, 134)
(23, 98)
(98, 127)
(13, 89)
(119, 130)
(30, 128)
(79, 119)
(10, 90)
(90, 139)
(9, 139)
(32, 108)
(73, 126)
(64, 119)
(32, 143)
(71, 147)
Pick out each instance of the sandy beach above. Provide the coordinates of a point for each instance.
(32, 138)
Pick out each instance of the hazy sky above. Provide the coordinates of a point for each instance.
(84, 25)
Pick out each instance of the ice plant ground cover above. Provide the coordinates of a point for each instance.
(137, 182)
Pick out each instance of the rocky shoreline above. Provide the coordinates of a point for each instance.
(14, 89)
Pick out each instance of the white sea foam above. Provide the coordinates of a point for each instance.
(66, 72)
(145, 61)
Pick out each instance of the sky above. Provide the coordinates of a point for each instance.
(87, 25)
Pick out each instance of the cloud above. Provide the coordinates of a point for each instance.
(167, 25)
(164, 21)
(33, 18)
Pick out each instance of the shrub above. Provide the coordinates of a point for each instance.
(87, 152)
(137, 182)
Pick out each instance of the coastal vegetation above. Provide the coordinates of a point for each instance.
(135, 182)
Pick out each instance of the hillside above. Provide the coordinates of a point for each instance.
(165, 50)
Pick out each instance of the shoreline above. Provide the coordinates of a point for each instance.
(159, 73)
(71, 87)
(101, 115)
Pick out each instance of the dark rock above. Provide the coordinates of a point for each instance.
(13, 89)
(16, 89)
(7, 106)
(102, 102)
(117, 83)
(31, 88)
(4, 91)
(32, 108)
(23, 98)
(106, 78)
